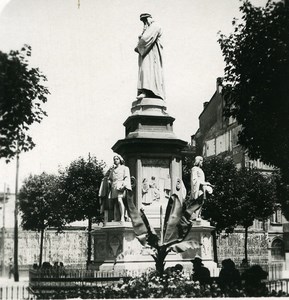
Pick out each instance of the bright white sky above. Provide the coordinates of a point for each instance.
(87, 55)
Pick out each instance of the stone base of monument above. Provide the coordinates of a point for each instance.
(117, 248)
(153, 154)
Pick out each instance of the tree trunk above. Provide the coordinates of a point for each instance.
(89, 242)
(41, 247)
(160, 260)
(246, 244)
(215, 249)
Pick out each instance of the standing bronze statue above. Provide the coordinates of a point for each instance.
(150, 61)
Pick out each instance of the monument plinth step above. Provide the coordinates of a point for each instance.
(149, 106)
(117, 224)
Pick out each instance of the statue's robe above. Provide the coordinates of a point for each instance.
(197, 181)
(150, 75)
(120, 181)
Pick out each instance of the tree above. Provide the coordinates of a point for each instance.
(220, 207)
(239, 197)
(21, 96)
(255, 198)
(79, 188)
(39, 205)
(255, 84)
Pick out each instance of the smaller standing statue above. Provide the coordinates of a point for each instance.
(199, 187)
(150, 62)
(119, 183)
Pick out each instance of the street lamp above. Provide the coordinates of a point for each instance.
(5, 195)
(15, 269)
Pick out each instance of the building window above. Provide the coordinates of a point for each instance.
(276, 218)
(277, 250)
(210, 147)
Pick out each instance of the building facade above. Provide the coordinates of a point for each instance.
(218, 136)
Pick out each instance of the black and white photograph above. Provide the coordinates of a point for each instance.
(144, 149)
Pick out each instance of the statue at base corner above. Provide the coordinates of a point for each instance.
(199, 186)
(119, 183)
(114, 187)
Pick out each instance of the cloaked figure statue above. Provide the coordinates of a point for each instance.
(150, 74)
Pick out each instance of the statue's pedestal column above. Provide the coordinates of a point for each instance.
(151, 151)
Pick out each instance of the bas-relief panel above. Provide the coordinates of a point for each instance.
(116, 246)
(131, 246)
(156, 181)
(207, 249)
(100, 250)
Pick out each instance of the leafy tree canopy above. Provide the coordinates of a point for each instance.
(239, 197)
(256, 81)
(79, 187)
(38, 203)
(220, 207)
(255, 196)
(21, 96)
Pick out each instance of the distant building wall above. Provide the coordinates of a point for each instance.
(233, 247)
(69, 247)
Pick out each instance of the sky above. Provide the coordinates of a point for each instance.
(85, 49)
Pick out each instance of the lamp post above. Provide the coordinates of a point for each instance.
(15, 269)
(6, 193)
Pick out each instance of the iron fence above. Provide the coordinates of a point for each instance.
(49, 281)
(278, 285)
(275, 271)
(15, 291)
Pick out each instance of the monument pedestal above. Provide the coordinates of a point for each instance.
(117, 248)
(153, 154)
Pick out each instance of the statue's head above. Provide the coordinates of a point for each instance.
(117, 159)
(146, 18)
(198, 161)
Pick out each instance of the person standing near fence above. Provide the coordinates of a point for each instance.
(11, 268)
